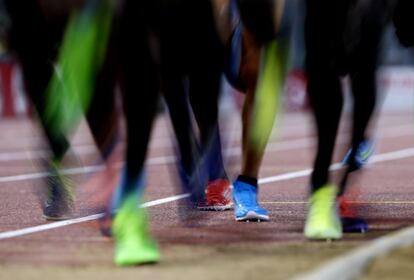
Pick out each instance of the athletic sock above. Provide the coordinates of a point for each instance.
(248, 180)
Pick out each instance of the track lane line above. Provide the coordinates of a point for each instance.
(300, 142)
(272, 147)
(377, 202)
(53, 225)
(399, 154)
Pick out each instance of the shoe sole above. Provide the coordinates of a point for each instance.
(55, 218)
(354, 225)
(323, 233)
(136, 259)
(216, 207)
(323, 236)
(253, 216)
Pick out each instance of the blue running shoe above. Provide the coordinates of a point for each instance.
(246, 207)
(364, 152)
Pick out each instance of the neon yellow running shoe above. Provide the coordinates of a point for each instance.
(323, 220)
(133, 242)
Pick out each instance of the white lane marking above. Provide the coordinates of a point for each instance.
(30, 230)
(304, 142)
(303, 173)
(164, 200)
(282, 177)
(400, 154)
(378, 202)
(23, 155)
(351, 265)
(39, 175)
(53, 225)
(272, 147)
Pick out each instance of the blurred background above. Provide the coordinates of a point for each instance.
(396, 75)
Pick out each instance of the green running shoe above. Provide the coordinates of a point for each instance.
(133, 242)
(323, 220)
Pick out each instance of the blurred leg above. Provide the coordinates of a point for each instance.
(102, 114)
(34, 41)
(174, 65)
(205, 68)
(363, 66)
(140, 86)
(324, 64)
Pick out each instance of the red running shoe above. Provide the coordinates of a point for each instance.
(350, 221)
(218, 196)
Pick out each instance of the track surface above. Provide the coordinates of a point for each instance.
(213, 245)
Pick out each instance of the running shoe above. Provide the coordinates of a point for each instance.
(218, 196)
(364, 152)
(133, 242)
(350, 222)
(323, 220)
(246, 207)
(59, 197)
